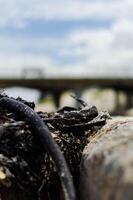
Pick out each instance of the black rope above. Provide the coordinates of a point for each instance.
(32, 118)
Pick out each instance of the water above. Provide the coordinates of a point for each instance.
(27, 94)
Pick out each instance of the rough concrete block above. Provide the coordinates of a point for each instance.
(107, 163)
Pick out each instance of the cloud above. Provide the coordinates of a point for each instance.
(20, 13)
(104, 50)
(96, 50)
(14, 63)
(79, 51)
(26, 44)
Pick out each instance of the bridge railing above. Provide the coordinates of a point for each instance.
(32, 73)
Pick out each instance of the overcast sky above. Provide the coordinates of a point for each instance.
(67, 36)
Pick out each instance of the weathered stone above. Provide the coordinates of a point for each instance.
(107, 163)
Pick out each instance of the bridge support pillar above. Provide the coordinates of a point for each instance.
(78, 94)
(120, 106)
(120, 109)
(56, 97)
(129, 101)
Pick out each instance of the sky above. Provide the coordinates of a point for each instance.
(67, 38)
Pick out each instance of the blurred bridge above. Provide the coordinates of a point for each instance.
(56, 86)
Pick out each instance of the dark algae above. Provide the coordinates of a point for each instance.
(40, 152)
